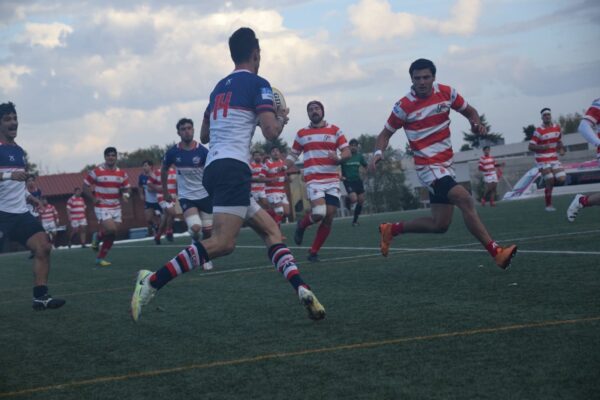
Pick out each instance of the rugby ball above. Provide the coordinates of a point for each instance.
(278, 99)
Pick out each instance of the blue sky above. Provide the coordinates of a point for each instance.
(85, 75)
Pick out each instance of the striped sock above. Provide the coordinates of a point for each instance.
(284, 261)
(189, 258)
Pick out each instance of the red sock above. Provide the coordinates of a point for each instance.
(548, 196)
(397, 228)
(106, 245)
(272, 213)
(100, 235)
(493, 248)
(306, 221)
(322, 234)
(583, 201)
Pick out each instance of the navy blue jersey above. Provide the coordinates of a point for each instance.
(190, 169)
(13, 194)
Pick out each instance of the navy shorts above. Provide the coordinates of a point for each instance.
(332, 200)
(153, 206)
(354, 187)
(227, 181)
(441, 187)
(204, 204)
(18, 227)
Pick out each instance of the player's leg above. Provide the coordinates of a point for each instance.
(360, 200)
(317, 212)
(283, 260)
(82, 227)
(581, 201)
(492, 193)
(324, 228)
(109, 233)
(548, 177)
(459, 196)
(193, 222)
(149, 216)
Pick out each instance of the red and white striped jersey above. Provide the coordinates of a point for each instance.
(76, 208)
(487, 165)
(275, 169)
(48, 214)
(107, 185)
(155, 179)
(426, 123)
(258, 171)
(593, 115)
(316, 143)
(549, 136)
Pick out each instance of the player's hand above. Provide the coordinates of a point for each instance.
(168, 198)
(332, 155)
(19, 176)
(478, 128)
(373, 163)
(282, 115)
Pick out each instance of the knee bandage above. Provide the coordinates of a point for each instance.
(319, 211)
(192, 220)
(278, 210)
(548, 177)
(560, 174)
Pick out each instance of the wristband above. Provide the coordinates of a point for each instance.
(378, 153)
(126, 195)
(6, 176)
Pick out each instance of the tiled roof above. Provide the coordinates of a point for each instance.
(63, 184)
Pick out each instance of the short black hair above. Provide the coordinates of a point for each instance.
(241, 45)
(149, 162)
(545, 109)
(422, 63)
(353, 141)
(486, 147)
(256, 151)
(273, 148)
(184, 121)
(7, 108)
(76, 188)
(109, 150)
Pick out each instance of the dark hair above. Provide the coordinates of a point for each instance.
(109, 150)
(353, 141)
(256, 152)
(422, 63)
(241, 45)
(317, 102)
(273, 148)
(486, 147)
(545, 109)
(7, 108)
(149, 162)
(184, 121)
(76, 188)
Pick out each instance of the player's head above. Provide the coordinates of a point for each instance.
(353, 146)
(275, 153)
(77, 191)
(30, 182)
(244, 48)
(110, 156)
(44, 200)
(185, 130)
(422, 73)
(147, 166)
(8, 122)
(546, 114)
(257, 156)
(315, 111)
(486, 150)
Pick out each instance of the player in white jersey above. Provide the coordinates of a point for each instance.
(77, 220)
(49, 218)
(237, 103)
(487, 166)
(16, 223)
(147, 194)
(259, 179)
(589, 128)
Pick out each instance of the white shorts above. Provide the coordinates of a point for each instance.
(553, 165)
(276, 198)
(75, 223)
(491, 178)
(241, 211)
(166, 204)
(102, 214)
(317, 190)
(428, 174)
(258, 195)
(49, 226)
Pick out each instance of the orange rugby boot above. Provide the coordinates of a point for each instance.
(505, 255)
(386, 238)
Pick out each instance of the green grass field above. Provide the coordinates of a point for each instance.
(435, 320)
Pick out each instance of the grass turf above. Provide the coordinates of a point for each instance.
(426, 322)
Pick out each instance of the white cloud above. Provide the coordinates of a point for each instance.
(46, 35)
(374, 20)
(9, 76)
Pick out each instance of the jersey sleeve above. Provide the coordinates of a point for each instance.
(593, 113)
(480, 163)
(535, 138)
(340, 140)
(263, 96)
(125, 184)
(203, 154)
(90, 178)
(169, 158)
(297, 148)
(396, 119)
(457, 102)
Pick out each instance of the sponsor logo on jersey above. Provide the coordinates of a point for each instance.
(266, 93)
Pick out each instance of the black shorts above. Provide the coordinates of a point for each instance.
(332, 200)
(18, 227)
(227, 181)
(354, 187)
(153, 206)
(441, 187)
(204, 204)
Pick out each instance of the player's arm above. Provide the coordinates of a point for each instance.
(382, 142)
(587, 130)
(471, 114)
(164, 181)
(205, 130)
(272, 123)
(141, 189)
(87, 193)
(14, 176)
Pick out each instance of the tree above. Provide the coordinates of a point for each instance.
(136, 158)
(528, 131)
(465, 147)
(408, 150)
(265, 147)
(31, 168)
(569, 123)
(475, 140)
(367, 142)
